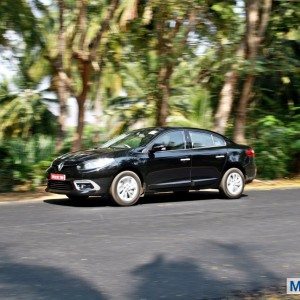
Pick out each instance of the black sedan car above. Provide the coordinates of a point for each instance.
(154, 160)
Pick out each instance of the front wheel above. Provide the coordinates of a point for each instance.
(232, 184)
(126, 188)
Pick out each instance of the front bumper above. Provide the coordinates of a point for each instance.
(79, 187)
(91, 183)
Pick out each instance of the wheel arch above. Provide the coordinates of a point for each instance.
(132, 169)
(234, 165)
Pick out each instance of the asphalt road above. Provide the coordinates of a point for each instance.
(165, 248)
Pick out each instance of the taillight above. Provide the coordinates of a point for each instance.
(250, 152)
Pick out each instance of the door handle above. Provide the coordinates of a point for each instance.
(185, 159)
(220, 156)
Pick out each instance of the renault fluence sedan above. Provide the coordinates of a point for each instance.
(154, 160)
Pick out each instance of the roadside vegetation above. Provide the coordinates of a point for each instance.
(229, 66)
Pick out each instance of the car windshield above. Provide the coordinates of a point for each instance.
(133, 139)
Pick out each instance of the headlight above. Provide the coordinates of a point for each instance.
(95, 164)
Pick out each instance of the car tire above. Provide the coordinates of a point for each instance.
(77, 198)
(126, 188)
(232, 184)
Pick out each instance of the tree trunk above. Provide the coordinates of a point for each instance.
(167, 55)
(93, 46)
(62, 89)
(88, 60)
(81, 99)
(63, 95)
(225, 101)
(257, 17)
(162, 97)
(98, 110)
(98, 106)
(241, 113)
(80, 125)
(227, 94)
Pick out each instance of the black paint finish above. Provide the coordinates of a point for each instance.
(165, 170)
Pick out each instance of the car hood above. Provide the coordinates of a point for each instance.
(78, 157)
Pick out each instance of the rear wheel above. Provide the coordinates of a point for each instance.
(77, 198)
(232, 184)
(126, 188)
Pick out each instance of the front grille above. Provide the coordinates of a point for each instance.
(69, 171)
(60, 185)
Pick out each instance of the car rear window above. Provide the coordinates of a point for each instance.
(218, 141)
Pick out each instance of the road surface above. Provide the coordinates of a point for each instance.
(165, 248)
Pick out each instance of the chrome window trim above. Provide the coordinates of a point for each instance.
(206, 147)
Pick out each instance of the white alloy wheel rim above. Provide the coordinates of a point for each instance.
(234, 183)
(127, 189)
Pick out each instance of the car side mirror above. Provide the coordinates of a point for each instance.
(157, 147)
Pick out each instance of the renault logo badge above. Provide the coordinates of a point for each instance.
(60, 166)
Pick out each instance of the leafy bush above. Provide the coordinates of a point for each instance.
(6, 171)
(25, 161)
(277, 145)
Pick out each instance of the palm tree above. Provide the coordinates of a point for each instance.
(24, 114)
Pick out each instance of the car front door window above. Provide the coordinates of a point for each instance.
(173, 140)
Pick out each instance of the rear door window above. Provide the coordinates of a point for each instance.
(218, 141)
(201, 139)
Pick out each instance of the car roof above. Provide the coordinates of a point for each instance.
(184, 128)
(166, 128)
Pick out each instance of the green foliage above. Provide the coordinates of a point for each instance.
(24, 114)
(27, 146)
(17, 15)
(94, 136)
(126, 112)
(190, 106)
(276, 144)
(25, 162)
(143, 39)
